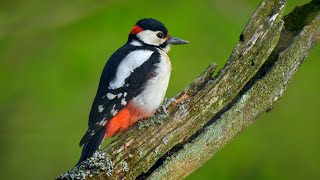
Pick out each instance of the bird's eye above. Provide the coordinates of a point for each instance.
(160, 35)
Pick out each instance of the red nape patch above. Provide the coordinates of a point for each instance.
(136, 29)
(124, 119)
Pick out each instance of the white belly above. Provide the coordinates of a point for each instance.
(155, 89)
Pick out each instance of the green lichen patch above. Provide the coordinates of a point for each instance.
(156, 119)
(99, 163)
(125, 166)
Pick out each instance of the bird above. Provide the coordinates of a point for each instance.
(132, 85)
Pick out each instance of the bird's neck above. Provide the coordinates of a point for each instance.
(134, 40)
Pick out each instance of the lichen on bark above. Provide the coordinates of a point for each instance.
(212, 110)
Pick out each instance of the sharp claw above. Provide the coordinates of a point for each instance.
(164, 109)
(167, 101)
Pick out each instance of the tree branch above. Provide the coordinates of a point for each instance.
(211, 111)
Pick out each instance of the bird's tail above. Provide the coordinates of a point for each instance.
(91, 145)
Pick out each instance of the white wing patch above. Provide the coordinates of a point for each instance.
(103, 122)
(111, 96)
(114, 112)
(132, 61)
(100, 108)
(123, 101)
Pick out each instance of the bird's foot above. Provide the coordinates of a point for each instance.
(164, 110)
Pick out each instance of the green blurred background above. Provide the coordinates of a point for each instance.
(52, 54)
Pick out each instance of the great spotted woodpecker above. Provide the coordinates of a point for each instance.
(132, 85)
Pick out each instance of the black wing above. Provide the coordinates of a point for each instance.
(106, 101)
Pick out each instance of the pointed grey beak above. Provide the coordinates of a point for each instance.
(173, 40)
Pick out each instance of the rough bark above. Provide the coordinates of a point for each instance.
(213, 110)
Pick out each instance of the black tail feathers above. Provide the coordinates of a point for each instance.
(92, 145)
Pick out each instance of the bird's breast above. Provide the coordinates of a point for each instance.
(155, 88)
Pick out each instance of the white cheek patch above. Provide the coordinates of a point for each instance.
(132, 61)
(150, 37)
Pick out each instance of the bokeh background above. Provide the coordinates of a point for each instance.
(51, 57)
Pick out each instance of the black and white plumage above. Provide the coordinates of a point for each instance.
(132, 85)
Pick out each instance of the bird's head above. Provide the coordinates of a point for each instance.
(152, 32)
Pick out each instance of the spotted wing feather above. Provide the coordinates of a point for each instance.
(110, 101)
